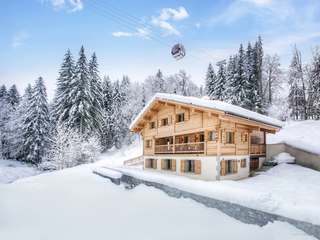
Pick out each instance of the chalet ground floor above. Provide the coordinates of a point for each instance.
(205, 167)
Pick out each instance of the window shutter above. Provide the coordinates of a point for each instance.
(155, 164)
(186, 115)
(223, 136)
(182, 163)
(162, 164)
(159, 123)
(170, 120)
(197, 167)
(173, 164)
(223, 168)
(235, 166)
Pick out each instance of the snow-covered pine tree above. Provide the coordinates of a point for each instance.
(80, 113)
(108, 124)
(297, 100)
(5, 109)
(221, 80)
(63, 101)
(251, 93)
(210, 81)
(231, 73)
(240, 84)
(36, 125)
(116, 117)
(13, 96)
(159, 83)
(96, 95)
(314, 88)
(257, 80)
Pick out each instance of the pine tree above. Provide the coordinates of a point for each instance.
(80, 113)
(231, 73)
(221, 80)
(116, 117)
(240, 85)
(314, 88)
(5, 109)
(13, 96)
(107, 127)
(63, 101)
(96, 95)
(3, 91)
(257, 80)
(210, 81)
(159, 82)
(297, 101)
(36, 124)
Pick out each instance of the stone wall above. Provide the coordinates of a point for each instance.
(303, 158)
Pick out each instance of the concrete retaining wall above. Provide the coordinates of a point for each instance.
(241, 213)
(303, 158)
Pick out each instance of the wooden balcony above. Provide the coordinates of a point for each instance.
(257, 149)
(168, 148)
(196, 147)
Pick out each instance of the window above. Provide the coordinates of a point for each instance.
(212, 136)
(243, 163)
(190, 166)
(164, 122)
(152, 125)
(151, 163)
(180, 117)
(228, 167)
(185, 139)
(168, 164)
(244, 137)
(148, 143)
(230, 137)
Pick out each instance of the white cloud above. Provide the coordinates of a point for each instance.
(141, 32)
(175, 14)
(69, 5)
(19, 39)
(167, 15)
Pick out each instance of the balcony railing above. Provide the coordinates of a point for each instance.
(168, 148)
(196, 147)
(257, 149)
(189, 147)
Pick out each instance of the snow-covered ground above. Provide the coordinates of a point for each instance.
(76, 204)
(304, 135)
(12, 170)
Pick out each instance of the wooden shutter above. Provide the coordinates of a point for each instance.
(197, 166)
(162, 163)
(234, 166)
(170, 120)
(186, 115)
(159, 123)
(223, 136)
(173, 165)
(155, 163)
(223, 167)
(182, 163)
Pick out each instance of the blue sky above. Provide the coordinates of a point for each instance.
(134, 37)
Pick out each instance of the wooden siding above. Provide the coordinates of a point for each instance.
(197, 121)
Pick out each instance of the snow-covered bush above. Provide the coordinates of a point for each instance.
(283, 158)
(70, 148)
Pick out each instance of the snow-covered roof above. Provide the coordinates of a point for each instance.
(212, 104)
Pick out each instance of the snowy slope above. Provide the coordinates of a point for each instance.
(12, 170)
(304, 135)
(76, 204)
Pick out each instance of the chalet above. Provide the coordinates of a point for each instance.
(200, 138)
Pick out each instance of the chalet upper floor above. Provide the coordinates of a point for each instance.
(172, 124)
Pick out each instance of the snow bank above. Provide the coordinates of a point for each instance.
(304, 135)
(284, 158)
(76, 204)
(106, 172)
(213, 104)
(287, 190)
(11, 170)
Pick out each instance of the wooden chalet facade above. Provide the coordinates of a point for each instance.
(200, 138)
